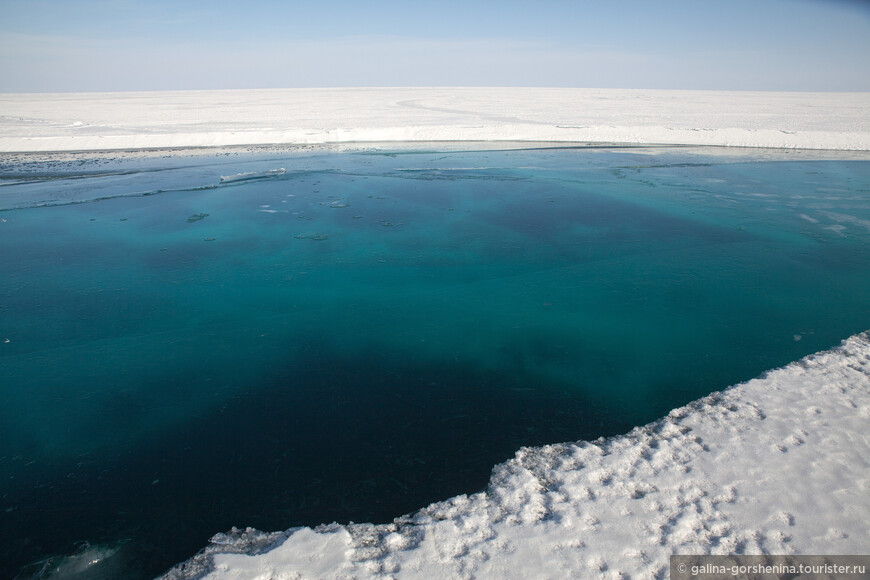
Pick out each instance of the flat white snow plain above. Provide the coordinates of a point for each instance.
(111, 121)
(777, 465)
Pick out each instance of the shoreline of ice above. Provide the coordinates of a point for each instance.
(776, 465)
(184, 119)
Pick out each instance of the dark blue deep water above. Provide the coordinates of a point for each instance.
(372, 331)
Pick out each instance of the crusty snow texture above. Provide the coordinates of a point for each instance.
(111, 121)
(780, 464)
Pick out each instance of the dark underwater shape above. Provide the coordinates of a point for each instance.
(88, 562)
(455, 307)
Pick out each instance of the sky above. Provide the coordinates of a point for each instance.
(134, 45)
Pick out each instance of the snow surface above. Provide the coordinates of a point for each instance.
(112, 121)
(777, 465)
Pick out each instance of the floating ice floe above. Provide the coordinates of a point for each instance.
(248, 175)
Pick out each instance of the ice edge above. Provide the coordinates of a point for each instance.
(727, 473)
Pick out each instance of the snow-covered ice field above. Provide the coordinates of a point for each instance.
(101, 121)
(777, 465)
(780, 464)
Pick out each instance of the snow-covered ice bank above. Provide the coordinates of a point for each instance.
(780, 464)
(110, 121)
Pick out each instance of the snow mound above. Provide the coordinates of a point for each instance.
(777, 465)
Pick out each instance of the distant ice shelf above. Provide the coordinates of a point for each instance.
(776, 465)
(161, 120)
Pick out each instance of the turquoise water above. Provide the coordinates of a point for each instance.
(371, 331)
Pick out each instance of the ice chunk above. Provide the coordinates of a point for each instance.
(248, 175)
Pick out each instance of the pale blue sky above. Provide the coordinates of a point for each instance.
(122, 45)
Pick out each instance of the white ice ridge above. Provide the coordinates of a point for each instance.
(249, 175)
(777, 465)
(110, 121)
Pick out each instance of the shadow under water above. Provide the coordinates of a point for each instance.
(328, 439)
